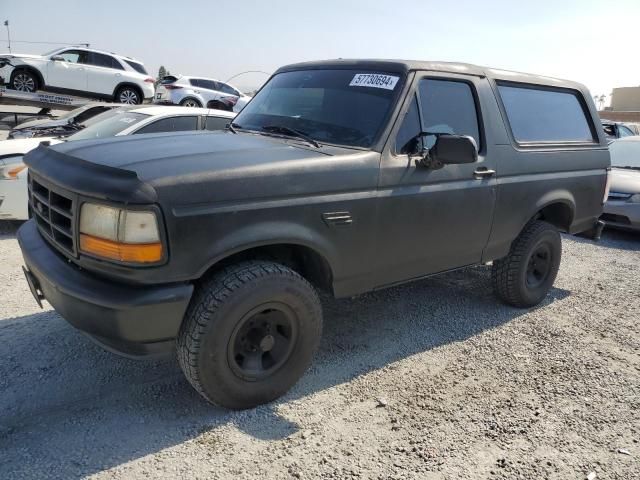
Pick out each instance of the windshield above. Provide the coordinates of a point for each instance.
(625, 153)
(72, 113)
(343, 107)
(50, 52)
(107, 124)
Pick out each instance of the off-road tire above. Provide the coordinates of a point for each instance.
(509, 274)
(219, 308)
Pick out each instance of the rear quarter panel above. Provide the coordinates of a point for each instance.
(533, 177)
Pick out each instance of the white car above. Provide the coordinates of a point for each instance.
(79, 71)
(130, 120)
(200, 92)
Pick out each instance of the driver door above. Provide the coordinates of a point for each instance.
(434, 220)
(70, 73)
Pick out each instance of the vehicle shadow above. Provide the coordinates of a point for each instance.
(614, 239)
(79, 410)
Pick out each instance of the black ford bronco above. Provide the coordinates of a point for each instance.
(342, 176)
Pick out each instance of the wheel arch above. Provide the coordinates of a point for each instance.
(128, 84)
(303, 251)
(556, 208)
(192, 97)
(31, 69)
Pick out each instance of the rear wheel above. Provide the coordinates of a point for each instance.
(24, 81)
(524, 277)
(128, 95)
(190, 102)
(249, 334)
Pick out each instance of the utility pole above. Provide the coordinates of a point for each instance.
(6, 24)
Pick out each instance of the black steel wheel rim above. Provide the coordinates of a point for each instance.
(539, 265)
(262, 341)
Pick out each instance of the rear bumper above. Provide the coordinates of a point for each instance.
(622, 214)
(13, 198)
(127, 319)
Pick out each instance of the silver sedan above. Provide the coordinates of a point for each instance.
(622, 209)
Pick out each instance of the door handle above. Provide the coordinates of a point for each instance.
(483, 172)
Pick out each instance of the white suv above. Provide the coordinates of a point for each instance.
(79, 71)
(200, 92)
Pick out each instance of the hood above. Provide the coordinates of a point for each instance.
(625, 180)
(20, 146)
(182, 155)
(198, 168)
(19, 55)
(39, 123)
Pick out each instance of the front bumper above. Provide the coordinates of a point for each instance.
(13, 198)
(621, 214)
(129, 320)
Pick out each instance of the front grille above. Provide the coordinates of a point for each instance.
(54, 212)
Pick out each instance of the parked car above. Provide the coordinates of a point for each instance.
(617, 129)
(345, 176)
(61, 126)
(622, 209)
(200, 92)
(129, 120)
(79, 71)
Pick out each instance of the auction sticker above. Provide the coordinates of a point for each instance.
(375, 80)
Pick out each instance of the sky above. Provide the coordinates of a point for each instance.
(592, 42)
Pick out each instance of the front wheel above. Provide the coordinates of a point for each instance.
(128, 95)
(524, 277)
(249, 334)
(24, 81)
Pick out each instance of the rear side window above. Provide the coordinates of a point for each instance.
(216, 123)
(172, 124)
(138, 67)
(540, 115)
(224, 88)
(449, 106)
(106, 61)
(203, 83)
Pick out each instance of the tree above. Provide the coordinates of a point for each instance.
(162, 72)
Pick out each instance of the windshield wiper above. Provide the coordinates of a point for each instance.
(291, 132)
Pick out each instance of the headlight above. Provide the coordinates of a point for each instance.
(11, 170)
(130, 236)
(635, 198)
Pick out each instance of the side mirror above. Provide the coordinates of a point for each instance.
(57, 58)
(449, 150)
(455, 149)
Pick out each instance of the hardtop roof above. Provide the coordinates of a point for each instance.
(405, 66)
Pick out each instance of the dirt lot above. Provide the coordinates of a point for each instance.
(430, 380)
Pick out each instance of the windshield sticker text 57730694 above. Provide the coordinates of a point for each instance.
(375, 80)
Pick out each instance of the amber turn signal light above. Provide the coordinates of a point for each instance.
(122, 252)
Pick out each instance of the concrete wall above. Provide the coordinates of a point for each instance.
(633, 117)
(625, 99)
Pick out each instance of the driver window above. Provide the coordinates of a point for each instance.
(74, 56)
(407, 136)
(448, 106)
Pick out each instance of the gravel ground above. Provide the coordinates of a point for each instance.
(431, 380)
